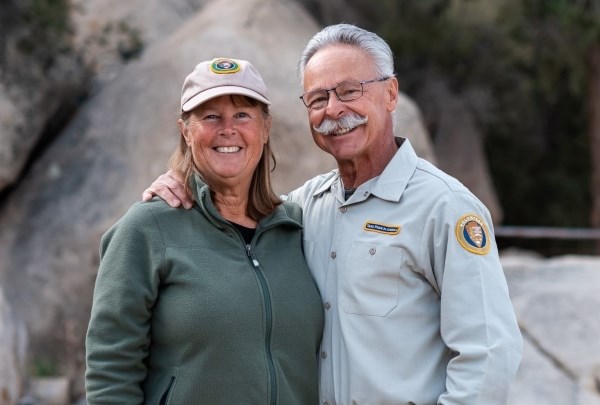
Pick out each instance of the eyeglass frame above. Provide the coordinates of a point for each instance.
(334, 89)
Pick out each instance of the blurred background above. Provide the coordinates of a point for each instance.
(503, 95)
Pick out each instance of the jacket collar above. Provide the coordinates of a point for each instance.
(204, 203)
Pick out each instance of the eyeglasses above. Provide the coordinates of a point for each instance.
(315, 100)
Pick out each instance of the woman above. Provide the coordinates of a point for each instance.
(213, 305)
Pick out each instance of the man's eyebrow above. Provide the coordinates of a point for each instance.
(349, 81)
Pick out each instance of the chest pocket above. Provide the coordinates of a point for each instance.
(369, 281)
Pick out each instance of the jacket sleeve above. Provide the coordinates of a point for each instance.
(477, 320)
(118, 335)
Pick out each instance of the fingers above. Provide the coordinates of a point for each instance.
(158, 189)
(148, 194)
(169, 187)
(175, 185)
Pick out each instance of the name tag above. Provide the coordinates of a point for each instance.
(382, 228)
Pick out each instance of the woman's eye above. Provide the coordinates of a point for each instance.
(211, 117)
(242, 115)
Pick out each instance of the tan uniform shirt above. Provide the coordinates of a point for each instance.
(417, 309)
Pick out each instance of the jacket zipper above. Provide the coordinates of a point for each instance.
(163, 399)
(268, 321)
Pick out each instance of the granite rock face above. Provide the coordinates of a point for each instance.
(557, 302)
(40, 83)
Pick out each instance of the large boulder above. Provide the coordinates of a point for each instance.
(109, 33)
(41, 79)
(557, 302)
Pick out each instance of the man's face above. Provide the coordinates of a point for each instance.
(339, 64)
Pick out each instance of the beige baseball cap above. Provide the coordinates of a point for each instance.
(222, 76)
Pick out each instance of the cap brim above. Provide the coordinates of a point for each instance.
(221, 91)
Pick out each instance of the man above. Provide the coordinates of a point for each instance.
(417, 309)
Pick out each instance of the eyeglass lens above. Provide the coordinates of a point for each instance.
(344, 92)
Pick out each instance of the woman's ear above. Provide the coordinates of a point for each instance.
(183, 129)
(267, 131)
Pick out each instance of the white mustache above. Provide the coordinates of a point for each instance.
(342, 125)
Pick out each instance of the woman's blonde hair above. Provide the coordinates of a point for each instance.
(262, 200)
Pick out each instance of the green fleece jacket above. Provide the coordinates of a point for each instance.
(184, 312)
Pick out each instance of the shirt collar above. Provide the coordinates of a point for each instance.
(328, 183)
(390, 184)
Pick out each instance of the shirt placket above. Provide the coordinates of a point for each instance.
(330, 348)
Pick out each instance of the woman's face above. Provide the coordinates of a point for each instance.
(226, 138)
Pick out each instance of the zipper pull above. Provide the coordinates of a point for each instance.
(254, 261)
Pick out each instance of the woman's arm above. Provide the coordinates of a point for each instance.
(118, 336)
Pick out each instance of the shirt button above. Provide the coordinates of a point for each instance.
(366, 194)
(327, 305)
(324, 355)
(372, 251)
(343, 209)
(333, 255)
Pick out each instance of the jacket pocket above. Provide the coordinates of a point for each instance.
(370, 283)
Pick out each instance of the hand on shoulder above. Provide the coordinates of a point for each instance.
(169, 187)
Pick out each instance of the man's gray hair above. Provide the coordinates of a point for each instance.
(349, 34)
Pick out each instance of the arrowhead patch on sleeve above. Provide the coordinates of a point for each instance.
(473, 234)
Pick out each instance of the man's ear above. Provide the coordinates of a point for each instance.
(183, 129)
(392, 94)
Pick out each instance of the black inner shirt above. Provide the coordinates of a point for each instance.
(247, 233)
